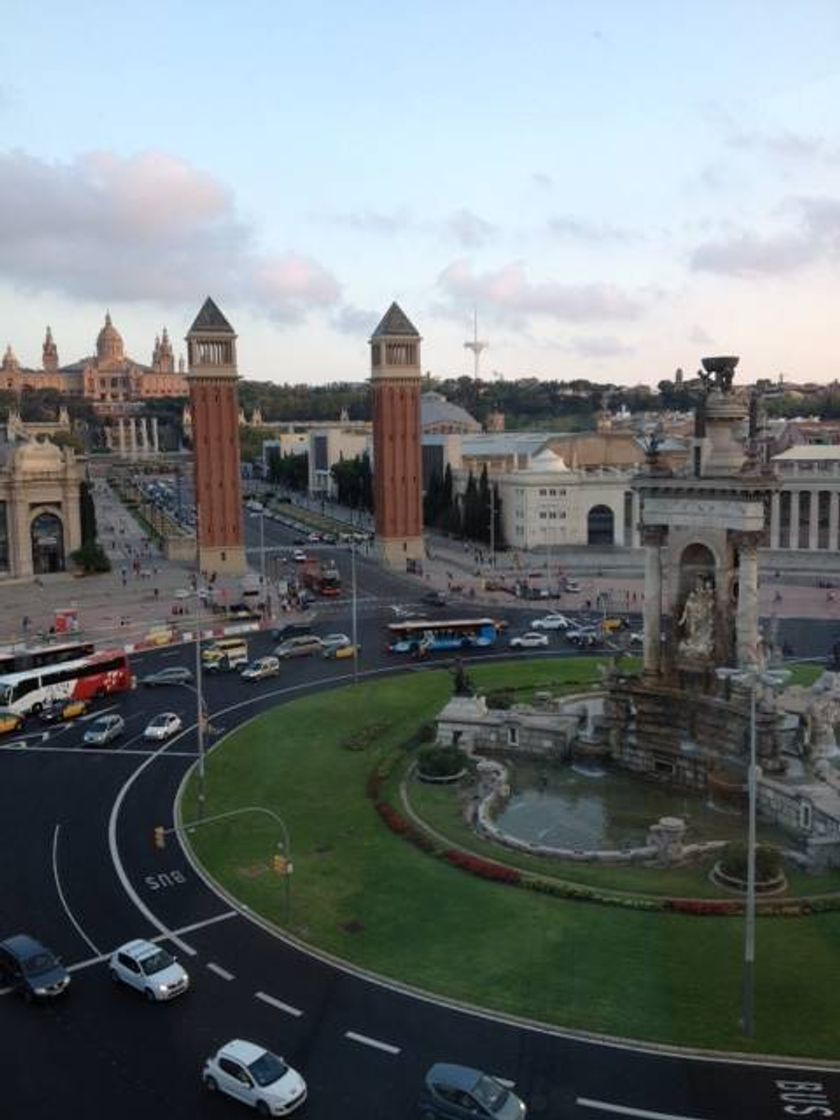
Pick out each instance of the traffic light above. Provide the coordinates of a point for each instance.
(279, 864)
(160, 837)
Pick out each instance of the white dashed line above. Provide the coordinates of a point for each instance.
(374, 1042)
(223, 972)
(278, 1003)
(625, 1110)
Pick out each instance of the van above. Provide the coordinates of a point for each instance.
(227, 653)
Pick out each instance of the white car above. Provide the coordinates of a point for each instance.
(256, 1077)
(261, 668)
(299, 556)
(551, 622)
(150, 969)
(163, 726)
(335, 641)
(531, 640)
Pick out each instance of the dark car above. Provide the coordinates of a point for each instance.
(175, 674)
(453, 1092)
(58, 710)
(31, 969)
(435, 598)
(290, 630)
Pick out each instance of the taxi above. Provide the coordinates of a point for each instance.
(10, 721)
(67, 708)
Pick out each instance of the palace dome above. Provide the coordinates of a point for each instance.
(109, 343)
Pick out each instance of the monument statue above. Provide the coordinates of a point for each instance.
(697, 622)
(461, 683)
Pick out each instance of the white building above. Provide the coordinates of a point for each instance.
(805, 514)
(329, 445)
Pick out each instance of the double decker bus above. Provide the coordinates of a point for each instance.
(16, 659)
(100, 674)
(424, 636)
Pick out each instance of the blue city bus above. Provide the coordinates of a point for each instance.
(424, 636)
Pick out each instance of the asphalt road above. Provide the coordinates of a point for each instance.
(79, 870)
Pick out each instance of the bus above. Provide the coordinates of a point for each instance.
(423, 636)
(100, 674)
(15, 659)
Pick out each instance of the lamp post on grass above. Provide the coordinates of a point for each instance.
(751, 678)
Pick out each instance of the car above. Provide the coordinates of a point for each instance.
(341, 653)
(313, 538)
(31, 969)
(584, 635)
(290, 630)
(175, 674)
(224, 654)
(243, 612)
(572, 586)
(251, 1074)
(10, 721)
(104, 730)
(148, 968)
(637, 638)
(553, 621)
(163, 726)
(160, 635)
(58, 710)
(461, 1092)
(435, 598)
(531, 640)
(335, 641)
(299, 556)
(302, 646)
(261, 668)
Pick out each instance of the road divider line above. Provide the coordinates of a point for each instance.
(386, 1047)
(626, 1110)
(62, 899)
(223, 972)
(207, 922)
(279, 1004)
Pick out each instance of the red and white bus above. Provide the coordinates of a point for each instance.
(99, 674)
(15, 659)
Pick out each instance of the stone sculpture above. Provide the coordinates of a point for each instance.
(698, 622)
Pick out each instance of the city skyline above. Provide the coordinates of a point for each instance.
(617, 190)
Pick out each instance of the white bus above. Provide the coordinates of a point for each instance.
(100, 674)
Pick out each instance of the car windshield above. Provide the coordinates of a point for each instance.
(159, 721)
(267, 1069)
(5, 694)
(101, 725)
(490, 1093)
(42, 961)
(157, 962)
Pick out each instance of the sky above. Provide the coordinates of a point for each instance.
(614, 187)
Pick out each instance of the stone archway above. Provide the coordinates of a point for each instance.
(697, 562)
(600, 526)
(47, 536)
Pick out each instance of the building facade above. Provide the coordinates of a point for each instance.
(214, 407)
(397, 470)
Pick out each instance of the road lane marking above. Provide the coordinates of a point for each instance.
(200, 925)
(278, 1003)
(223, 972)
(625, 1110)
(374, 1042)
(62, 899)
(94, 750)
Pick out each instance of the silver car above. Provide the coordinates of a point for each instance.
(104, 730)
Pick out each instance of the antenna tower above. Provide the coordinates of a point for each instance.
(476, 345)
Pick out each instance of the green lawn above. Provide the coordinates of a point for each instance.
(364, 894)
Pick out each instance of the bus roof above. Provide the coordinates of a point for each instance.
(421, 624)
(62, 666)
(17, 649)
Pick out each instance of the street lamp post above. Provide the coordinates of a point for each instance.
(199, 679)
(354, 616)
(751, 677)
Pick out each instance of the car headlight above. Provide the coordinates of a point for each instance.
(40, 991)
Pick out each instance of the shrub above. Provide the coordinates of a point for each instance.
(91, 557)
(768, 861)
(483, 868)
(500, 701)
(426, 732)
(441, 762)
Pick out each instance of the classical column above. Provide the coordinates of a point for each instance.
(794, 518)
(155, 444)
(132, 437)
(122, 438)
(813, 521)
(142, 440)
(652, 538)
(746, 619)
(775, 520)
(833, 501)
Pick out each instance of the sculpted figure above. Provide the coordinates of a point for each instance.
(697, 622)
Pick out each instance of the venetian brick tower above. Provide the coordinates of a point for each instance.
(214, 408)
(397, 471)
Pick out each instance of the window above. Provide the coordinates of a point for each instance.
(513, 736)
(230, 1068)
(806, 815)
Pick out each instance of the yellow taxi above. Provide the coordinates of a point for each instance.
(59, 710)
(10, 721)
(343, 652)
(160, 635)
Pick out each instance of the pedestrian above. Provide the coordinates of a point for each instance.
(156, 593)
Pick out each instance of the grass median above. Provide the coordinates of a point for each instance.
(362, 893)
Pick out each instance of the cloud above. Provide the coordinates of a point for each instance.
(541, 180)
(513, 297)
(468, 229)
(785, 145)
(355, 321)
(599, 346)
(146, 227)
(815, 238)
(699, 336)
(593, 233)
(369, 221)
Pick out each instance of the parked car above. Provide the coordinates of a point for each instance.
(104, 730)
(148, 968)
(303, 646)
(552, 621)
(10, 721)
(290, 630)
(175, 674)
(531, 640)
(334, 641)
(261, 668)
(163, 726)
(58, 710)
(299, 556)
(461, 1093)
(255, 1076)
(31, 969)
(572, 586)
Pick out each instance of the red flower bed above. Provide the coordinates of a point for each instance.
(482, 867)
(392, 818)
(704, 906)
